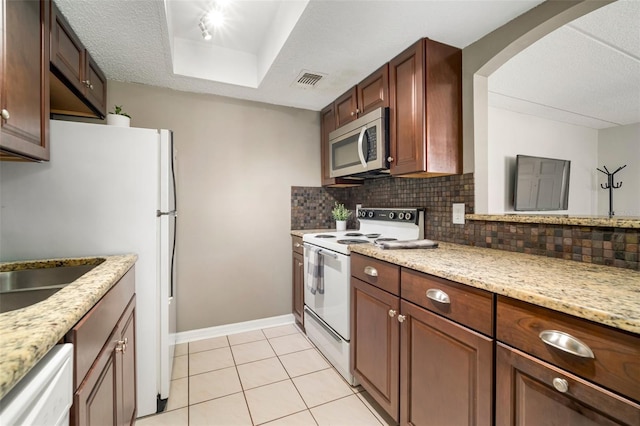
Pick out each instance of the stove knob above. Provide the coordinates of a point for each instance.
(407, 216)
(392, 215)
(371, 214)
(401, 215)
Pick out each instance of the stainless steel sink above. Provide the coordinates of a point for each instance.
(19, 289)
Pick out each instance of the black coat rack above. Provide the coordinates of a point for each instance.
(610, 185)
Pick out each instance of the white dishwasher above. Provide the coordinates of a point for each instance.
(44, 396)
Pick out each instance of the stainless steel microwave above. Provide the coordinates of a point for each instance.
(360, 148)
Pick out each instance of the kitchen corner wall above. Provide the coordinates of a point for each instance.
(236, 162)
(311, 209)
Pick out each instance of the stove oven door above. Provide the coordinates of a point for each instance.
(332, 306)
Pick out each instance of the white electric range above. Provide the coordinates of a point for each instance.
(327, 313)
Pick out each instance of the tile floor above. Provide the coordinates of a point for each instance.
(273, 376)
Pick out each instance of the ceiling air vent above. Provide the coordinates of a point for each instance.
(307, 79)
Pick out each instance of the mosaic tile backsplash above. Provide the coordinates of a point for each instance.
(311, 209)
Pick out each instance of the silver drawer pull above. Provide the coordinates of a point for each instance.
(438, 295)
(392, 313)
(297, 245)
(371, 271)
(401, 318)
(567, 343)
(561, 385)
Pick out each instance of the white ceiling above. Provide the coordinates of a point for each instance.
(267, 44)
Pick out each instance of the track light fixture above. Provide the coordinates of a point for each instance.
(205, 30)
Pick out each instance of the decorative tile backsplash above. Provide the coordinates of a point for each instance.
(311, 209)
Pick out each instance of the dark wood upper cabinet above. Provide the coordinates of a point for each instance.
(79, 87)
(532, 392)
(425, 87)
(297, 276)
(369, 94)
(24, 82)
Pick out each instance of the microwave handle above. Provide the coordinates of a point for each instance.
(360, 141)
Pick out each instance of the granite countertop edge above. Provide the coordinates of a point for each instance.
(597, 221)
(27, 334)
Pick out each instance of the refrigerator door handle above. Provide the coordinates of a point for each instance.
(169, 213)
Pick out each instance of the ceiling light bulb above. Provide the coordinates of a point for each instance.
(216, 18)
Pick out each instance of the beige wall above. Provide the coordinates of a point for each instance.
(237, 161)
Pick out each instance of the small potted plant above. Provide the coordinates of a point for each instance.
(118, 117)
(340, 214)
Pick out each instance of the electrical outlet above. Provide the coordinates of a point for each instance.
(458, 213)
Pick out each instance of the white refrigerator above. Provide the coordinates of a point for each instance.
(106, 190)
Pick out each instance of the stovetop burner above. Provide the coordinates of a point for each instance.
(353, 234)
(352, 241)
(325, 236)
(386, 239)
(372, 235)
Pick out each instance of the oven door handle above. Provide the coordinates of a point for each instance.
(324, 253)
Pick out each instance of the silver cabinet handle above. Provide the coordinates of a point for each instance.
(401, 318)
(566, 342)
(438, 296)
(353, 113)
(297, 245)
(371, 271)
(357, 110)
(561, 385)
(121, 345)
(392, 313)
(390, 159)
(5, 114)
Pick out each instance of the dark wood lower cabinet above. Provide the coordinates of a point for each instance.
(298, 287)
(127, 377)
(446, 371)
(527, 394)
(375, 343)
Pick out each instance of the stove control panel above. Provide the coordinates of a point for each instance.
(407, 215)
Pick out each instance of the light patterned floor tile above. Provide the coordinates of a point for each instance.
(213, 384)
(178, 394)
(304, 362)
(321, 387)
(171, 418)
(303, 418)
(228, 411)
(215, 359)
(375, 408)
(180, 367)
(292, 343)
(282, 330)
(263, 372)
(181, 349)
(273, 401)
(246, 337)
(208, 344)
(254, 351)
(346, 411)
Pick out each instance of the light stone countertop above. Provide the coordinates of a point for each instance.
(27, 334)
(602, 294)
(601, 221)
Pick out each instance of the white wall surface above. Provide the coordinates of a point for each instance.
(237, 161)
(512, 133)
(618, 146)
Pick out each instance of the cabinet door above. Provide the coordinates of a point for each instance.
(24, 82)
(346, 107)
(327, 125)
(127, 370)
(446, 371)
(407, 110)
(298, 286)
(95, 401)
(375, 339)
(96, 85)
(373, 91)
(527, 394)
(67, 52)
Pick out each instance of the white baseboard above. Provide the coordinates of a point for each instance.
(239, 327)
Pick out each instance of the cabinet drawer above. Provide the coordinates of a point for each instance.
(376, 272)
(616, 354)
(91, 333)
(296, 245)
(466, 305)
